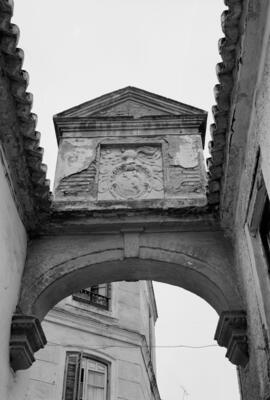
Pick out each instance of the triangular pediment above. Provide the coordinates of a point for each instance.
(129, 102)
(129, 108)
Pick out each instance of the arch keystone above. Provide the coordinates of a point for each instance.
(131, 244)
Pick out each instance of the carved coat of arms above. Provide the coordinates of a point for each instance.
(130, 172)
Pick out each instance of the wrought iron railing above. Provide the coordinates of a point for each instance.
(89, 297)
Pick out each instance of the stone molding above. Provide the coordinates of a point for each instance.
(95, 106)
(231, 333)
(93, 126)
(88, 222)
(27, 337)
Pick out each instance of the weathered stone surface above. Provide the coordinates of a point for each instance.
(17, 125)
(27, 337)
(149, 155)
(130, 172)
(198, 261)
(232, 26)
(129, 108)
(232, 333)
(75, 156)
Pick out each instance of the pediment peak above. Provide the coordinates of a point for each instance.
(132, 102)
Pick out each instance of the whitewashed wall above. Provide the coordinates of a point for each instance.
(13, 242)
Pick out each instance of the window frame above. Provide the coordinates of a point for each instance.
(264, 230)
(85, 356)
(259, 229)
(259, 264)
(92, 295)
(84, 364)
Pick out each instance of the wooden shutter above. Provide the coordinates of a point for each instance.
(71, 376)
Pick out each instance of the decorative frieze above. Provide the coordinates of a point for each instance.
(26, 338)
(231, 333)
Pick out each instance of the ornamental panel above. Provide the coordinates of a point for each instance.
(130, 172)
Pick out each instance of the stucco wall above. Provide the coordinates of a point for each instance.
(251, 263)
(13, 242)
(74, 326)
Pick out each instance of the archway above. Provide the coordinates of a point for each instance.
(200, 262)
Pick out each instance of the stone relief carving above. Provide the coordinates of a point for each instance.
(130, 108)
(134, 171)
(184, 173)
(80, 183)
(184, 181)
(185, 153)
(130, 172)
(75, 155)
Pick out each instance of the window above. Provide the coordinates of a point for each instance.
(265, 230)
(258, 208)
(98, 295)
(85, 378)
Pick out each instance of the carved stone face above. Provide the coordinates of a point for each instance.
(129, 155)
(130, 173)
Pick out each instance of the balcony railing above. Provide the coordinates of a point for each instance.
(88, 297)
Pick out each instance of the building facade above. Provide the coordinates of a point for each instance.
(100, 346)
(208, 236)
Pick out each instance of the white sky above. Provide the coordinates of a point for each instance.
(78, 50)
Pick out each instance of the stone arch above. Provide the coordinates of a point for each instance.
(58, 266)
(198, 262)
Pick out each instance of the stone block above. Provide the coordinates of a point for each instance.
(27, 337)
(231, 333)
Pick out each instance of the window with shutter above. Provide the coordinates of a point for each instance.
(71, 376)
(85, 378)
(94, 385)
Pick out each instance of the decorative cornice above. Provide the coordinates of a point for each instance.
(17, 129)
(93, 125)
(231, 333)
(226, 71)
(26, 338)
